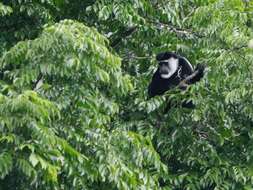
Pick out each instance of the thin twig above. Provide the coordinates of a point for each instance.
(179, 31)
(184, 82)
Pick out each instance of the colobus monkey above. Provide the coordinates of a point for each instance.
(173, 70)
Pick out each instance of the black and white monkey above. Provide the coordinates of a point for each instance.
(173, 70)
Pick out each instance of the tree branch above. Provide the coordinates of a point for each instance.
(38, 83)
(125, 34)
(184, 83)
(178, 31)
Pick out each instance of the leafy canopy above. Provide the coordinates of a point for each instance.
(74, 112)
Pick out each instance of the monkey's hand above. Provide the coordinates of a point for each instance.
(200, 68)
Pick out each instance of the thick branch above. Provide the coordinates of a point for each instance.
(38, 83)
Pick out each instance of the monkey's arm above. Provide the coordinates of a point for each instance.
(194, 77)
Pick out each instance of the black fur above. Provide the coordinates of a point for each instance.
(159, 85)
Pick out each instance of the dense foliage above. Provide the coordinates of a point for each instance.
(74, 112)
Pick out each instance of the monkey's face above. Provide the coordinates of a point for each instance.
(168, 67)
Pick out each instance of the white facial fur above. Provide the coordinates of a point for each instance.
(173, 66)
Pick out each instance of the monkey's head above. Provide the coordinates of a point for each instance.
(168, 64)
